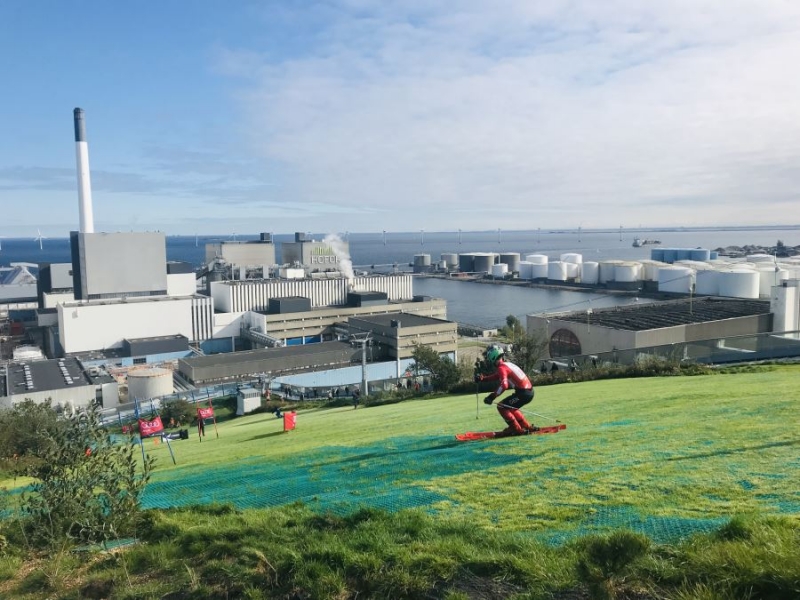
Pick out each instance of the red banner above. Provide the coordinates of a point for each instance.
(205, 413)
(148, 428)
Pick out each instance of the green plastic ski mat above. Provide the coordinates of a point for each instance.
(553, 493)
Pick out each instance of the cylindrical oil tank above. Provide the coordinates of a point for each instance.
(714, 255)
(422, 260)
(677, 280)
(557, 270)
(451, 258)
(571, 257)
(760, 258)
(628, 272)
(422, 263)
(537, 259)
(657, 254)
(768, 277)
(466, 263)
(511, 259)
(483, 262)
(699, 254)
(500, 270)
(573, 270)
(607, 268)
(670, 255)
(684, 253)
(590, 272)
(149, 383)
(525, 270)
(650, 269)
(707, 282)
(539, 271)
(739, 283)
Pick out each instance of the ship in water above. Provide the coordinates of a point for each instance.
(639, 242)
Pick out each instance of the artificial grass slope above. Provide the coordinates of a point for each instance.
(667, 457)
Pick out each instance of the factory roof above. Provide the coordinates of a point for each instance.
(43, 375)
(658, 315)
(405, 319)
(265, 353)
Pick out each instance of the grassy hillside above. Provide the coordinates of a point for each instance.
(664, 456)
(391, 506)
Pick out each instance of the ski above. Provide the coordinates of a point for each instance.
(471, 436)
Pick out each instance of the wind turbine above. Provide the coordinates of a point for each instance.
(39, 237)
(384, 237)
(459, 237)
(421, 237)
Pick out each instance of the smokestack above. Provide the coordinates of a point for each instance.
(84, 181)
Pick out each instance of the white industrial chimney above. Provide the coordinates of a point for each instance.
(84, 181)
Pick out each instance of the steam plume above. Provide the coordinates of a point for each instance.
(345, 265)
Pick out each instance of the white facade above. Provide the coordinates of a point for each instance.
(240, 296)
(53, 299)
(101, 324)
(181, 284)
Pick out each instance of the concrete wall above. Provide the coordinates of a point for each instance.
(244, 254)
(181, 284)
(77, 396)
(116, 264)
(100, 325)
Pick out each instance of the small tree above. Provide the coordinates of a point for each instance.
(527, 351)
(444, 372)
(181, 410)
(86, 487)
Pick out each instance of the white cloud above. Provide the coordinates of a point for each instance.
(560, 113)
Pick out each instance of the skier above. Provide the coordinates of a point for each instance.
(509, 375)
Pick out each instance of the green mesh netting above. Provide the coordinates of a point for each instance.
(435, 473)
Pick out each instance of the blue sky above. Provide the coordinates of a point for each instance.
(357, 115)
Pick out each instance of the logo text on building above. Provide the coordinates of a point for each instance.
(323, 255)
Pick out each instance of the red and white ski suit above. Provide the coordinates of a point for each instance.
(510, 375)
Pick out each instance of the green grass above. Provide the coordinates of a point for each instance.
(391, 506)
(663, 456)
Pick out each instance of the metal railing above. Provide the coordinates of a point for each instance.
(715, 351)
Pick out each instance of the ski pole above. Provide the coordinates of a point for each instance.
(529, 412)
(477, 401)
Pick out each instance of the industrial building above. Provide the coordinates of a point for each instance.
(683, 321)
(399, 334)
(316, 255)
(63, 381)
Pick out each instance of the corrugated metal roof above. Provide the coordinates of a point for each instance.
(657, 315)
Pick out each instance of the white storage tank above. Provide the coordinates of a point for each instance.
(650, 269)
(539, 271)
(483, 262)
(676, 280)
(450, 258)
(707, 282)
(769, 276)
(590, 272)
(511, 259)
(739, 283)
(557, 271)
(149, 383)
(760, 258)
(571, 257)
(607, 268)
(537, 259)
(525, 269)
(422, 260)
(499, 271)
(627, 272)
(573, 270)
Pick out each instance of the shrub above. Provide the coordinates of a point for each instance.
(86, 487)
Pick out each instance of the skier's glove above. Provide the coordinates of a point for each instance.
(478, 377)
(489, 399)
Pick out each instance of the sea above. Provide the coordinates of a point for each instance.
(467, 302)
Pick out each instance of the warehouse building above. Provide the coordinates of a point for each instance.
(646, 325)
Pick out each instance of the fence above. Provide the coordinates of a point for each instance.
(740, 348)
